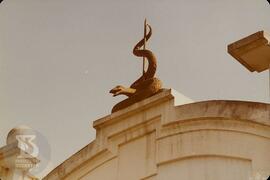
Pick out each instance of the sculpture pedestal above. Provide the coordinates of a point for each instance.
(163, 137)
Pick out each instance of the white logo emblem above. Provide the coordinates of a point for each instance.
(25, 143)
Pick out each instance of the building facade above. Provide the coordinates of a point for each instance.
(167, 136)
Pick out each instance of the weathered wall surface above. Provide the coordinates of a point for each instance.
(164, 138)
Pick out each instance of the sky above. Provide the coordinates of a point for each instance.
(60, 58)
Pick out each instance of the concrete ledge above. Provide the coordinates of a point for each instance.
(165, 95)
(253, 51)
(238, 110)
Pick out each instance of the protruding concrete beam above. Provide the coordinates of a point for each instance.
(253, 51)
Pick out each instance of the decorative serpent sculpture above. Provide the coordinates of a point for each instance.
(147, 85)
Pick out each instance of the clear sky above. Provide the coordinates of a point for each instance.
(59, 59)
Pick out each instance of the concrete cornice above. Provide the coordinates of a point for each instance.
(238, 110)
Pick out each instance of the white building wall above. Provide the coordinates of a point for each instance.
(156, 140)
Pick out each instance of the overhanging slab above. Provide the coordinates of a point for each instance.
(253, 51)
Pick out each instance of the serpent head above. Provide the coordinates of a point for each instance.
(117, 90)
(121, 90)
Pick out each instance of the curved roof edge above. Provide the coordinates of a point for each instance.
(239, 110)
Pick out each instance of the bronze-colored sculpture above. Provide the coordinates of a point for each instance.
(147, 85)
